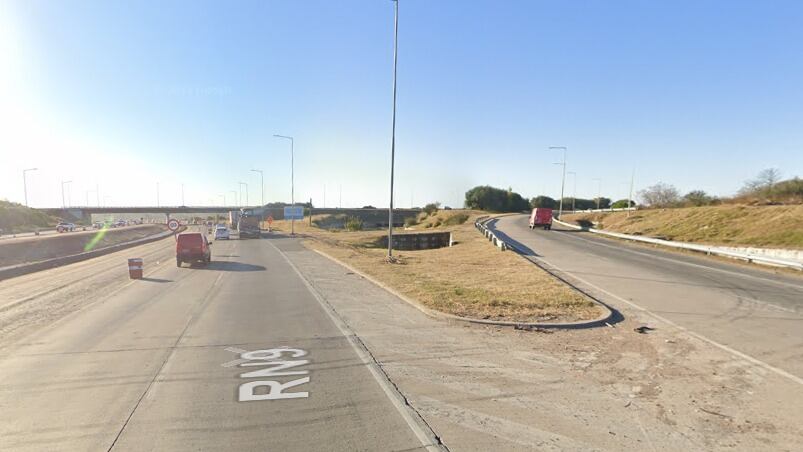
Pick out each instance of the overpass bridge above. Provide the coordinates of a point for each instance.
(84, 214)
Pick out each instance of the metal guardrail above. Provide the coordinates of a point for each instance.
(693, 247)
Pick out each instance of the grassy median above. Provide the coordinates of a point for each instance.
(472, 278)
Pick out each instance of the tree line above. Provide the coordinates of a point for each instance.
(766, 188)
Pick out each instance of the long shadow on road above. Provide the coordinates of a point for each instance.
(523, 249)
(228, 266)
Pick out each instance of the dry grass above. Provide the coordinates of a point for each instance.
(730, 225)
(472, 278)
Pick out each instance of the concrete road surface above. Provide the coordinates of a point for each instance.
(276, 347)
(753, 313)
(239, 355)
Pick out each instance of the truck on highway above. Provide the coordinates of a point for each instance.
(541, 217)
(248, 224)
(234, 217)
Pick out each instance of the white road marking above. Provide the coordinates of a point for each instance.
(652, 256)
(427, 439)
(268, 358)
(749, 358)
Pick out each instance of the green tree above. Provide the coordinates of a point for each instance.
(543, 201)
(622, 203)
(698, 198)
(485, 197)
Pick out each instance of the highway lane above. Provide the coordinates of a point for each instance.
(173, 362)
(746, 311)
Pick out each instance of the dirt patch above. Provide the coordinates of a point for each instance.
(471, 279)
(34, 249)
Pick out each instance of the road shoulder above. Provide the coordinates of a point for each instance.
(483, 387)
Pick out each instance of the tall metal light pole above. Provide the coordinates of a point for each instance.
(393, 127)
(262, 184)
(340, 201)
(246, 192)
(63, 183)
(236, 198)
(563, 179)
(157, 195)
(599, 190)
(25, 183)
(630, 197)
(224, 199)
(182, 195)
(574, 192)
(292, 181)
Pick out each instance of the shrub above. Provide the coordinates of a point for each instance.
(410, 221)
(456, 219)
(353, 224)
(432, 208)
(699, 198)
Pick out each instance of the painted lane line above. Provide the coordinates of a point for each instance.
(690, 264)
(732, 351)
(419, 427)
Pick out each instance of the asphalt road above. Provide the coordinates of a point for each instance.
(750, 312)
(239, 355)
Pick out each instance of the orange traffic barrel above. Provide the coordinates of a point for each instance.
(135, 268)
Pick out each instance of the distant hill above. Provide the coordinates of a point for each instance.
(730, 225)
(15, 218)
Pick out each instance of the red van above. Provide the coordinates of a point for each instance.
(192, 247)
(541, 216)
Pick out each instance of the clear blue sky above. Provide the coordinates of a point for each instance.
(122, 95)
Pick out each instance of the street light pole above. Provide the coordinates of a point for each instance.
(630, 196)
(63, 183)
(25, 184)
(182, 195)
(393, 127)
(292, 180)
(599, 190)
(574, 192)
(262, 185)
(236, 198)
(563, 179)
(246, 192)
(157, 195)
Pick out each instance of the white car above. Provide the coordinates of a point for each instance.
(65, 227)
(221, 233)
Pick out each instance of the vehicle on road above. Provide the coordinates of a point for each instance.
(119, 224)
(248, 224)
(541, 217)
(192, 247)
(65, 227)
(221, 232)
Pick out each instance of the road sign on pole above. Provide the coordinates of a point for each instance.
(172, 225)
(294, 212)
